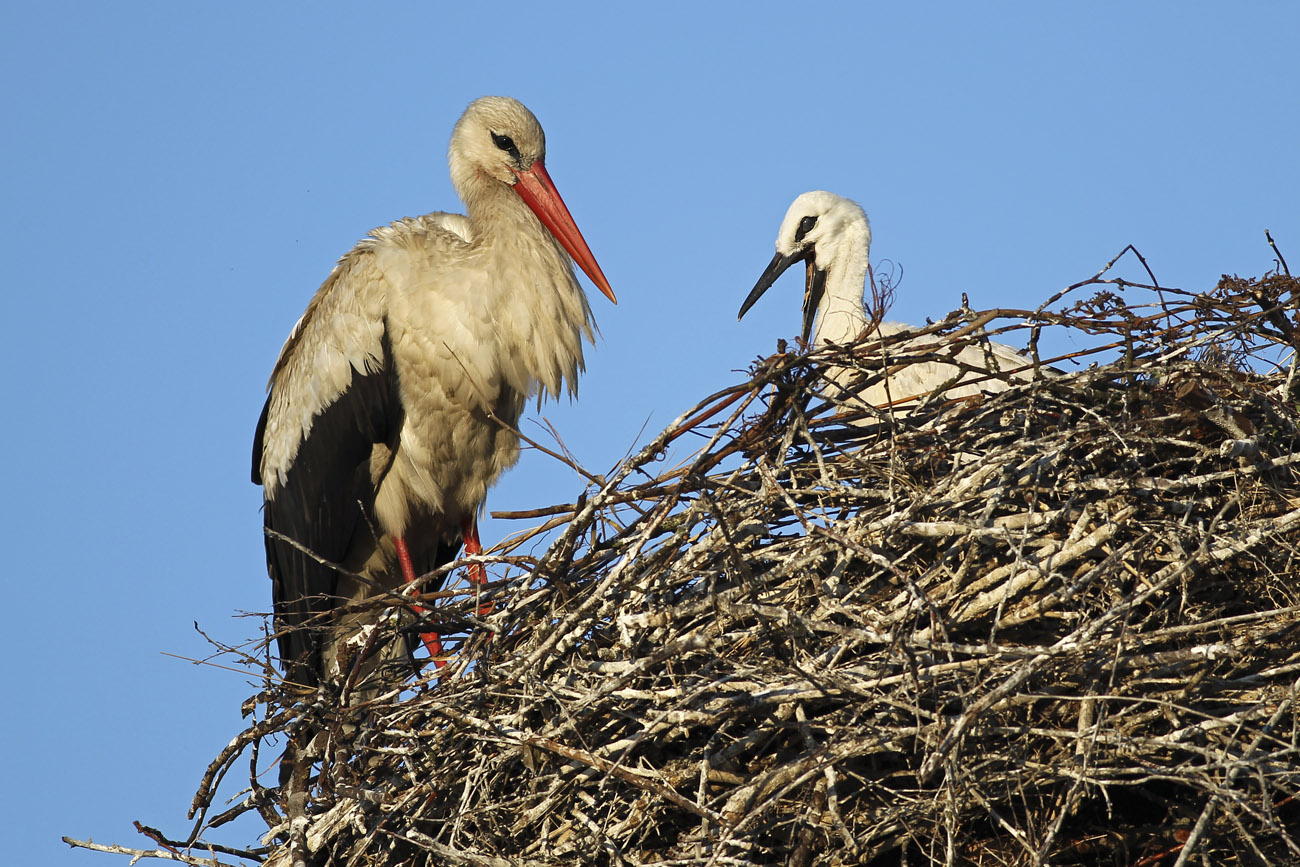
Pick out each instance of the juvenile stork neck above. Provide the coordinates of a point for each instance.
(841, 317)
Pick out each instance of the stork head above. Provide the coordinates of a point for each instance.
(496, 136)
(499, 140)
(827, 232)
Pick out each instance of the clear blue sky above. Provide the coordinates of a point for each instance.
(179, 178)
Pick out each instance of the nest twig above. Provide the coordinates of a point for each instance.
(1056, 624)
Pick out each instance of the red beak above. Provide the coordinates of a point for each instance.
(535, 188)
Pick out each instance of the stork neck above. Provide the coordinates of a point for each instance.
(495, 210)
(539, 311)
(841, 317)
(506, 233)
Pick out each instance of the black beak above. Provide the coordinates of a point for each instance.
(814, 287)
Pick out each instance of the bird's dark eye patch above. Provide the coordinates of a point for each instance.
(506, 143)
(805, 226)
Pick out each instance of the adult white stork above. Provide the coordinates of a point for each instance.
(392, 406)
(833, 236)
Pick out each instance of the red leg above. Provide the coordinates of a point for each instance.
(469, 533)
(477, 574)
(432, 640)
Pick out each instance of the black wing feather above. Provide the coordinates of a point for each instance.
(327, 498)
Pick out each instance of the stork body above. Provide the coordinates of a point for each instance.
(832, 235)
(392, 406)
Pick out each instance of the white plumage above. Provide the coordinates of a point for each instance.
(832, 235)
(390, 409)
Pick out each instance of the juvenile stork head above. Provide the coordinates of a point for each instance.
(832, 235)
(499, 141)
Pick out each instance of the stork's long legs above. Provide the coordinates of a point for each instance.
(469, 534)
(477, 575)
(432, 640)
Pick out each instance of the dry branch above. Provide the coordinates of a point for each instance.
(1058, 624)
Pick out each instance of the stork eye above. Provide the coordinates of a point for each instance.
(506, 143)
(805, 226)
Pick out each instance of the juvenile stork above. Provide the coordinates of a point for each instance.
(392, 406)
(833, 236)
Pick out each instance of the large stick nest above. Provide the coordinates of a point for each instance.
(1055, 624)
